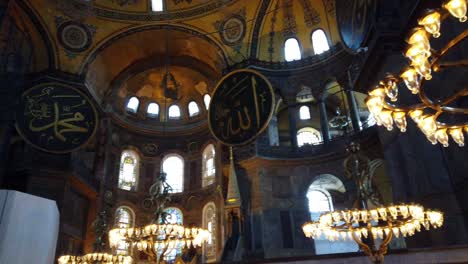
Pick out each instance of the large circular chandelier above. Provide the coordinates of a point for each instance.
(161, 236)
(379, 223)
(91, 258)
(372, 225)
(423, 62)
(155, 239)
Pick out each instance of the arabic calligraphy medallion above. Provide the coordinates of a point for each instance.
(241, 107)
(56, 118)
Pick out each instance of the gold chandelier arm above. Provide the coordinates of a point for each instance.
(367, 250)
(450, 45)
(441, 107)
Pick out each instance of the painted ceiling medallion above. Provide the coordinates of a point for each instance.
(233, 30)
(74, 37)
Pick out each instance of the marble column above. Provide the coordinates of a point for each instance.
(353, 110)
(273, 135)
(292, 114)
(324, 122)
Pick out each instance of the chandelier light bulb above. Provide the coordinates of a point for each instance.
(442, 136)
(422, 66)
(457, 8)
(391, 89)
(416, 50)
(432, 138)
(387, 120)
(419, 35)
(431, 23)
(457, 136)
(412, 80)
(428, 125)
(400, 120)
(416, 115)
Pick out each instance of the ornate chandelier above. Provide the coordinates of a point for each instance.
(97, 257)
(379, 223)
(101, 258)
(370, 221)
(424, 61)
(160, 236)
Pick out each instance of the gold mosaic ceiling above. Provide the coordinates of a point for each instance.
(101, 39)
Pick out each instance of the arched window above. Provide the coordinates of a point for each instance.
(304, 112)
(124, 218)
(208, 164)
(173, 166)
(320, 201)
(193, 109)
(209, 223)
(157, 5)
(153, 110)
(174, 112)
(132, 105)
(319, 41)
(207, 100)
(174, 216)
(292, 50)
(309, 136)
(129, 170)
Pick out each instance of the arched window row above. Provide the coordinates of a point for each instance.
(292, 50)
(174, 110)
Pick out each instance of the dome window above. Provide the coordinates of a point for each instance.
(207, 100)
(193, 109)
(319, 41)
(157, 5)
(132, 105)
(308, 136)
(153, 110)
(292, 50)
(174, 112)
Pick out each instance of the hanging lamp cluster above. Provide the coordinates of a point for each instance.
(424, 61)
(397, 220)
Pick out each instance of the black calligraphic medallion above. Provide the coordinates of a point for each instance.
(355, 18)
(241, 107)
(56, 118)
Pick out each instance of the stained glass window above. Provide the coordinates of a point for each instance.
(292, 50)
(193, 109)
(124, 218)
(129, 169)
(304, 113)
(174, 216)
(319, 41)
(208, 163)
(132, 105)
(209, 223)
(308, 136)
(173, 166)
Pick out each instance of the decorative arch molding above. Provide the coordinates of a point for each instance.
(105, 43)
(257, 27)
(51, 47)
